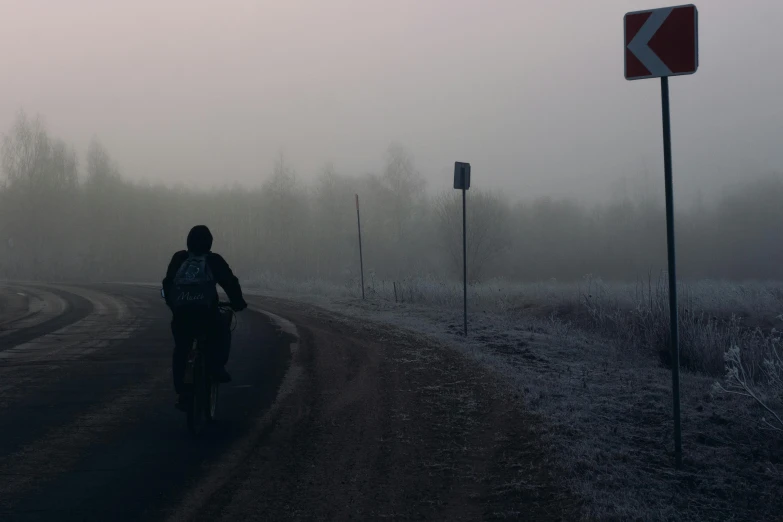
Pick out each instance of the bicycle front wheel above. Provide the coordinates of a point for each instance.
(212, 395)
(200, 398)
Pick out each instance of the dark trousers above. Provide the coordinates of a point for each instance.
(186, 326)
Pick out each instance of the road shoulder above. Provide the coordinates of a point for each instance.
(385, 424)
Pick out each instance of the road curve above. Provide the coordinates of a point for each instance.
(326, 419)
(28, 311)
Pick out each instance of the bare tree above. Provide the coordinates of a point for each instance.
(335, 224)
(285, 221)
(487, 231)
(26, 150)
(101, 170)
(55, 225)
(406, 186)
(41, 182)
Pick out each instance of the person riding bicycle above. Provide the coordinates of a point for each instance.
(191, 293)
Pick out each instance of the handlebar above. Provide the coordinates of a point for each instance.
(226, 304)
(221, 304)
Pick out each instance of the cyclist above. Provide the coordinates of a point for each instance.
(191, 294)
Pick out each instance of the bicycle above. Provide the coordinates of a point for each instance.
(203, 390)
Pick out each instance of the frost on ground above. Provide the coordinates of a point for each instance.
(606, 404)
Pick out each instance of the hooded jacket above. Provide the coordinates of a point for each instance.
(199, 242)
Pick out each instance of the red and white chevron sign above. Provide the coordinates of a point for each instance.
(661, 42)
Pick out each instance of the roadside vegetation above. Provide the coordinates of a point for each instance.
(68, 215)
(589, 360)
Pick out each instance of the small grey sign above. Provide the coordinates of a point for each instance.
(461, 175)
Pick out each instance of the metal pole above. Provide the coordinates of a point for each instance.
(675, 338)
(464, 259)
(361, 259)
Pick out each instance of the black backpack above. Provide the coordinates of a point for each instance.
(194, 284)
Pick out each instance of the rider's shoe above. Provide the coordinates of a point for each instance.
(222, 376)
(181, 404)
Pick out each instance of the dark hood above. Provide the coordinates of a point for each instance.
(199, 240)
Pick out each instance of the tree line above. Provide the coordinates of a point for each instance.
(67, 218)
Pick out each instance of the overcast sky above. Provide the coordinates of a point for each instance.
(531, 93)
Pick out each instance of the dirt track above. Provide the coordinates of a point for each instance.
(340, 421)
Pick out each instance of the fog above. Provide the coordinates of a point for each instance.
(315, 102)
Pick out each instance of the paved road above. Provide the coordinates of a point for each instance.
(327, 419)
(87, 425)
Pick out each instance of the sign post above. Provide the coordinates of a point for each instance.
(462, 182)
(660, 43)
(361, 260)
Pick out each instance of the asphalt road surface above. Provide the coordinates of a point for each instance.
(325, 420)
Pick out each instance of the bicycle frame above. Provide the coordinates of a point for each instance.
(204, 390)
(200, 408)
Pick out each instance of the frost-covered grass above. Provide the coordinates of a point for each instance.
(714, 316)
